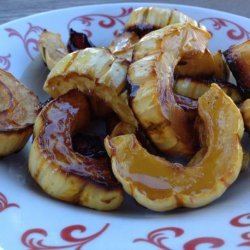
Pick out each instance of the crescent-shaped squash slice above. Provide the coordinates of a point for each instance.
(18, 110)
(245, 111)
(194, 88)
(238, 57)
(146, 19)
(94, 71)
(161, 185)
(51, 48)
(156, 56)
(142, 21)
(62, 172)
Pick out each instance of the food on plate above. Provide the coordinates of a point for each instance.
(51, 48)
(142, 21)
(245, 111)
(62, 172)
(94, 71)
(221, 69)
(123, 46)
(206, 65)
(238, 57)
(161, 185)
(18, 110)
(195, 88)
(157, 92)
(155, 57)
(146, 19)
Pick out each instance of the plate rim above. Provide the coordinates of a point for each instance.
(70, 9)
(156, 4)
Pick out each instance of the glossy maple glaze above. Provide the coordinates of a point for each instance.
(62, 118)
(218, 162)
(167, 123)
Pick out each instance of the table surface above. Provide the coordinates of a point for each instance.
(13, 9)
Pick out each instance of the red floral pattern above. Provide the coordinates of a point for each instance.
(5, 62)
(29, 42)
(37, 238)
(105, 22)
(234, 32)
(157, 237)
(4, 204)
(212, 241)
(34, 238)
(243, 220)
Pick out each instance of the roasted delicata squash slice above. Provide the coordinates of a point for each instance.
(245, 111)
(196, 65)
(60, 171)
(123, 46)
(18, 110)
(221, 69)
(195, 88)
(93, 71)
(51, 47)
(238, 58)
(152, 79)
(206, 65)
(146, 19)
(161, 185)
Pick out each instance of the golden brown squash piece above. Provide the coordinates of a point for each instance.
(238, 59)
(92, 71)
(245, 111)
(142, 21)
(161, 185)
(156, 56)
(194, 88)
(60, 171)
(221, 69)
(207, 65)
(51, 47)
(146, 19)
(122, 47)
(18, 110)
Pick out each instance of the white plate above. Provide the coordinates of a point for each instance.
(29, 219)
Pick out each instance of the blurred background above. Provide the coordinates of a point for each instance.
(13, 9)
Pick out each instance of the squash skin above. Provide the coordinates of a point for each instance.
(51, 48)
(160, 185)
(93, 71)
(237, 58)
(18, 110)
(60, 171)
(194, 88)
(156, 56)
(245, 111)
(146, 19)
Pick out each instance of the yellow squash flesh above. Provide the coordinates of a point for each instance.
(161, 185)
(94, 71)
(152, 18)
(18, 110)
(60, 171)
(51, 47)
(156, 56)
(245, 111)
